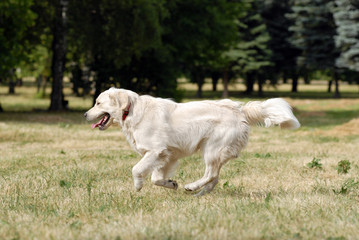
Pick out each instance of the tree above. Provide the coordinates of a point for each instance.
(251, 53)
(313, 33)
(15, 18)
(58, 57)
(284, 54)
(346, 16)
(111, 35)
(199, 32)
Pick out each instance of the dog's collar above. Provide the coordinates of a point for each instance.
(125, 113)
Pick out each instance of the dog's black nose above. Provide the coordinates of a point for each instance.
(85, 115)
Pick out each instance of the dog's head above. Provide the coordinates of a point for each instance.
(109, 108)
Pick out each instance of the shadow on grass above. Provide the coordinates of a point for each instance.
(65, 117)
(307, 118)
(192, 94)
(311, 119)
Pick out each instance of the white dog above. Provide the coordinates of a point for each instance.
(163, 131)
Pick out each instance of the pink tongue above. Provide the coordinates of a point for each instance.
(95, 125)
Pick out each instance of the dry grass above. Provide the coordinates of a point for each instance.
(62, 180)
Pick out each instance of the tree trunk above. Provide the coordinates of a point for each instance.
(19, 82)
(225, 84)
(249, 82)
(215, 77)
(39, 82)
(336, 80)
(214, 84)
(200, 81)
(58, 58)
(295, 83)
(11, 82)
(76, 79)
(44, 83)
(11, 85)
(306, 78)
(98, 88)
(330, 83)
(337, 93)
(86, 81)
(75, 87)
(285, 77)
(260, 85)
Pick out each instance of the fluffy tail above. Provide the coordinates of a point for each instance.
(272, 112)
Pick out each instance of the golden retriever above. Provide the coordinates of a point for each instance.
(163, 131)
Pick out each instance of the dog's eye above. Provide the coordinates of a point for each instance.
(98, 103)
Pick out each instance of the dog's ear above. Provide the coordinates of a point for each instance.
(119, 98)
(123, 97)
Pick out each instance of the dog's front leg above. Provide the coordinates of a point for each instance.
(144, 167)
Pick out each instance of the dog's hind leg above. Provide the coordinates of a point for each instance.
(210, 175)
(160, 176)
(213, 167)
(213, 161)
(208, 187)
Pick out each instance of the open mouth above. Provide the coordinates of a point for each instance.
(102, 123)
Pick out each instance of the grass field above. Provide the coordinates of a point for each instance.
(62, 180)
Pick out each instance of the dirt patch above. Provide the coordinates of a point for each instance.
(346, 129)
(349, 128)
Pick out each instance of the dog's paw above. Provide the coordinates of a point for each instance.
(201, 193)
(188, 188)
(173, 183)
(138, 186)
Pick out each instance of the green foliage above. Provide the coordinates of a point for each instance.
(251, 52)
(284, 53)
(227, 185)
(343, 166)
(65, 184)
(15, 18)
(149, 43)
(145, 45)
(346, 16)
(198, 32)
(129, 33)
(347, 186)
(250, 55)
(313, 33)
(268, 199)
(259, 155)
(315, 163)
(125, 29)
(231, 189)
(336, 238)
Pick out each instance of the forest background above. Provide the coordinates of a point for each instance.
(147, 45)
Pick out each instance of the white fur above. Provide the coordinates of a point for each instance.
(272, 112)
(163, 131)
